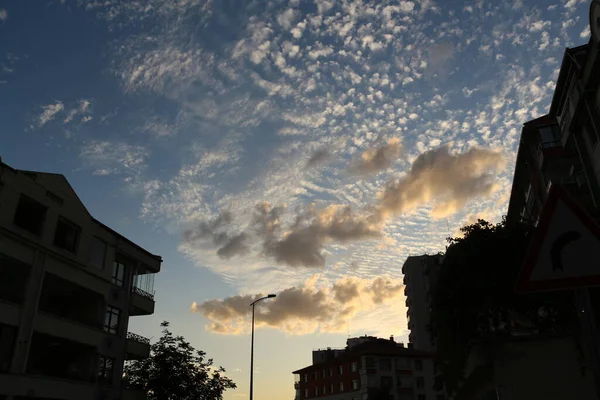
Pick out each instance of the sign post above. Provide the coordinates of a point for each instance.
(565, 255)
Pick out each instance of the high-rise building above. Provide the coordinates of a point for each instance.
(68, 286)
(368, 368)
(420, 279)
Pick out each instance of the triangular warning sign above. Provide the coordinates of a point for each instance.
(565, 251)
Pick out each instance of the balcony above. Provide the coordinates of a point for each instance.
(137, 347)
(142, 294)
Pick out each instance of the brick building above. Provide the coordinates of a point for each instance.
(68, 286)
(368, 368)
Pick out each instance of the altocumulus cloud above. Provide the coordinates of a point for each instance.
(302, 309)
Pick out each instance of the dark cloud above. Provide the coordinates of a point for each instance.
(378, 158)
(445, 179)
(304, 309)
(318, 157)
(214, 231)
(303, 243)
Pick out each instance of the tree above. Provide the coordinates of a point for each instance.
(176, 371)
(475, 296)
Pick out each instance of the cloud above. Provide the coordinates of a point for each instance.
(3, 15)
(229, 245)
(49, 113)
(114, 158)
(83, 108)
(447, 180)
(286, 18)
(303, 244)
(318, 157)
(378, 158)
(302, 309)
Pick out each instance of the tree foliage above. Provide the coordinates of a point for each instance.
(475, 295)
(176, 371)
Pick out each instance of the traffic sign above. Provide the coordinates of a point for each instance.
(565, 251)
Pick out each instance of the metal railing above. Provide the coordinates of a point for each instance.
(142, 293)
(137, 338)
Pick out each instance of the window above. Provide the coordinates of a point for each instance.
(420, 382)
(549, 136)
(341, 386)
(331, 388)
(97, 252)
(324, 389)
(330, 371)
(324, 373)
(306, 393)
(111, 320)
(305, 377)
(399, 381)
(387, 381)
(118, 273)
(421, 397)
(105, 369)
(354, 366)
(30, 215)
(370, 362)
(315, 376)
(385, 364)
(316, 391)
(402, 363)
(355, 384)
(340, 369)
(66, 235)
(419, 365)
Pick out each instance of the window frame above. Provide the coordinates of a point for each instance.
(106, 369)
(111, 313)
(76, 228)
(120, 282)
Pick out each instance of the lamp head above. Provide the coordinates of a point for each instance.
(271, 296)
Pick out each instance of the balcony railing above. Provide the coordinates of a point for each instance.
(142, 293)
(137, 338)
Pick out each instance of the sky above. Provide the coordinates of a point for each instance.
(301, 147)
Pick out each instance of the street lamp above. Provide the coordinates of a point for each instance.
(252, 345)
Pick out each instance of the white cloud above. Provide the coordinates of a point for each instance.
(286, 18)
(49, 113)
(585, 33)
(114, 158)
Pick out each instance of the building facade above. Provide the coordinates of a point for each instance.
(368, 368)
(68, 286)
(420, 279)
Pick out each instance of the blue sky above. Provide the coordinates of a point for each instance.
(304, 148)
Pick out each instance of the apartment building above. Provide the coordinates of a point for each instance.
(420, 279)
(368, 368)
(68, 286)
(562, 147)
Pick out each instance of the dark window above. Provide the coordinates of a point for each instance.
(370, 362)
(331, 388)
(30, 215)
(354, 366)
(387, 381)
(305, 377)
(385, 364)
(419, 365)
(420, 382)
(306, 393)
(118, 273)
(13, 279)
(324, 389)
(549, 136)
(315, 376)
(341, 386)
(8, 336)
(355, 384)
(97, 253)
(316, 391)
(340, 370)
(421, 397)
(66, 235)
(324, 373)
(105, 369)
(111, 321)
(330, 371)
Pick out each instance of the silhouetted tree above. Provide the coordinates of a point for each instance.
(176, 371)
(475, 295)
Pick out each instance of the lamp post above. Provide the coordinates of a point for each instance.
(252, 344)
